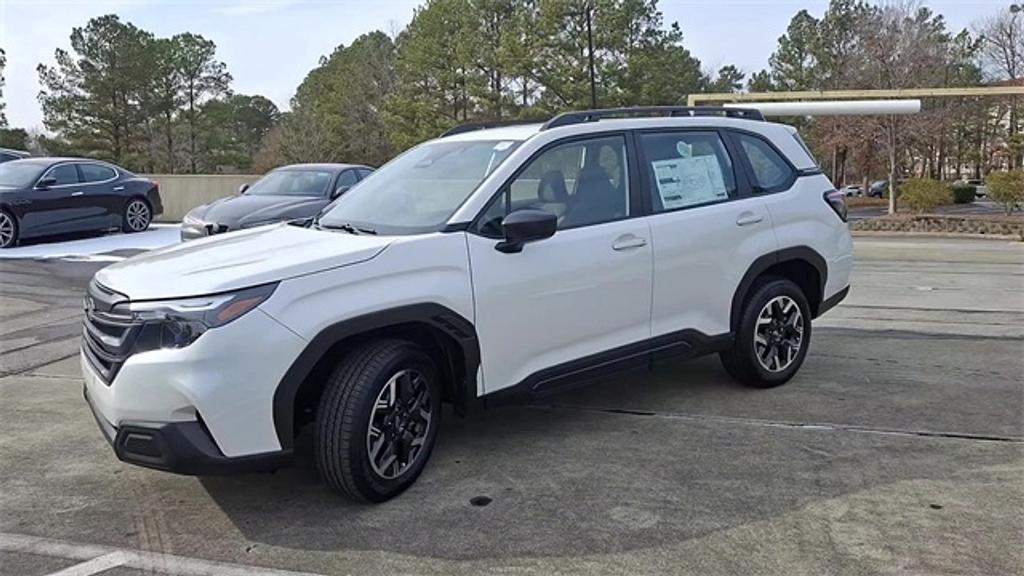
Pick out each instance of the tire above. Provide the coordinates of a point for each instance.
(360, 389)
(752, 360)
(137, 216)
(8, 230)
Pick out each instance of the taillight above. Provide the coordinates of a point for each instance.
(837, 200)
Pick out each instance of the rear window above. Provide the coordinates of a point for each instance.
(800, 141)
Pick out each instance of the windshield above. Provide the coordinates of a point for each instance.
(17, 174)
(420, 190)
(292, 183)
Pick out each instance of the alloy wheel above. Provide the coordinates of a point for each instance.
(137, 215)
(778, 334)
(6, 229)
(399, 424)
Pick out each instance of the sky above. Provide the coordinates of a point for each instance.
(270, 45)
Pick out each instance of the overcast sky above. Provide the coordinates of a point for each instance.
(270, 45)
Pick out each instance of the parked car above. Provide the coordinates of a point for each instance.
(47, 196)
(852, 190)
(490, 262)
(980, 190)
(7, 154)
(294, 192)
(878, 188)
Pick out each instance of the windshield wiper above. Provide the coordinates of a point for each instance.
(346, 227)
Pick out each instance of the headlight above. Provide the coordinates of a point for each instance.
(178, 323)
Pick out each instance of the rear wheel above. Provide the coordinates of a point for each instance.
(137, 216)
(8, 229)
(773, 336)
(378, 420)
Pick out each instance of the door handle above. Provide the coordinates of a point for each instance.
(79, 193)
(628, 242)
(748, 218)
(118, 188)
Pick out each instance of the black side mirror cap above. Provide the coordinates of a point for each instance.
(339, 191)
(46, 183)
(242, 189)
(524, 226)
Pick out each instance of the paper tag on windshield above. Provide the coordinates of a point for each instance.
(684, 149)
(503, 145)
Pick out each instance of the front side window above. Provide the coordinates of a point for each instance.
(687, 169)
(583, 182)
(96, 173)
(771, 172)
(420, 190)
(292, 183)
(347, 178)
(63, 174)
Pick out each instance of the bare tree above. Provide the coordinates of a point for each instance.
(1003, 57)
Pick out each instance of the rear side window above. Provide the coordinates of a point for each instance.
(687, 169)
(770, 171)
(347, 178)
(96, 173)
(364, 172)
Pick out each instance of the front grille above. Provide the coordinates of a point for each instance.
(107, 336)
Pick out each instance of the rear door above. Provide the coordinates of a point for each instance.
(706, 226)
(103, 193)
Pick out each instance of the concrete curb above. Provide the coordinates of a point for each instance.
(948, 235)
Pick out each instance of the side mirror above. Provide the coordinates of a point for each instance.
(339, 191)
(524, 226)
(46, 183)
(242, 189)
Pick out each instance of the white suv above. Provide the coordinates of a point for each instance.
(490, 262)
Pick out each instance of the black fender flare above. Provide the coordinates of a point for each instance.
(441, 317)
(795, 253)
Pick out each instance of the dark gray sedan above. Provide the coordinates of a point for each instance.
(294, 192)
(49, 196)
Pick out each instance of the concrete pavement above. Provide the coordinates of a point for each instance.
(898, 449)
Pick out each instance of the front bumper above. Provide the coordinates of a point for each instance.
(179, 447)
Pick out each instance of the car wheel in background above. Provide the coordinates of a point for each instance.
(773, 336)
(137, 216)
(378, 420)
(8, 229)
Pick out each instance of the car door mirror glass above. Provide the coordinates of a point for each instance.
(527, 225)
(242, 189)
(46, 183)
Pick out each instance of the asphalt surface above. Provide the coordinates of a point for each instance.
(898, 449)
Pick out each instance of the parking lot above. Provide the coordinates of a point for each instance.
(898, 449)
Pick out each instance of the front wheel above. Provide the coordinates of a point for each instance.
(773, 336)
(137, 216)
(378, 420)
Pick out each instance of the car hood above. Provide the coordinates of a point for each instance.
(237, 211)
(238, 260)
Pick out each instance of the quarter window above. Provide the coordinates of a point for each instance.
(687, 169)
(96, 173)
(64, 174)
(770, 171)
(583, 183)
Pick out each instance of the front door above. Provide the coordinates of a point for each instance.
(578, 300)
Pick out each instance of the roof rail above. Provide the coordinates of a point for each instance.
(485, 124)
(581, 116)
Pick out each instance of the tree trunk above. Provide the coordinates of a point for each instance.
(590, 56)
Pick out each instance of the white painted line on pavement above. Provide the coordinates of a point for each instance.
(94, 566)
(168, 564)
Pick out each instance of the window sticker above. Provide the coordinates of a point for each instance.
(688, 181)
(684, 149)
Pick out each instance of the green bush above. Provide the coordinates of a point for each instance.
(963, 193)
(923, 195)
(1007, 188)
